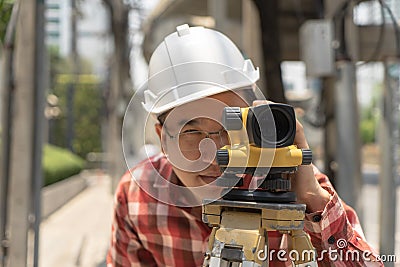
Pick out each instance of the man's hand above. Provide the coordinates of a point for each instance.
(305, 185)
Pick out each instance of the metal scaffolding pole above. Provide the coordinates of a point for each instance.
(72, 86)
(388, 139)
(218, 9)
(328, 103)
(6, 90)
(348, 180)
(25, 173)
(38, 128)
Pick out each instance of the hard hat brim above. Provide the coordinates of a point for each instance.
(153, 108)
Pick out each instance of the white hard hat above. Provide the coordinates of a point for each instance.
(192, 63)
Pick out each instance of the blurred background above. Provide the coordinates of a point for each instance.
(69, 69)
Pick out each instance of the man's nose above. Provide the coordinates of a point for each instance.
(208, 149)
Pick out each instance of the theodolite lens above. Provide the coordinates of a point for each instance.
(272, 125)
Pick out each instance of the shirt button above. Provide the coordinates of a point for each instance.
(331, 239)
(316, 218)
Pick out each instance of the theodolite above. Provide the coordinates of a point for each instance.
(261, 149)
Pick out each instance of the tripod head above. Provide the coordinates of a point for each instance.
(261, 145)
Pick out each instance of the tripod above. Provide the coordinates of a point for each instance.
(241, 221)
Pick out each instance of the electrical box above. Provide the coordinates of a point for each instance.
(316, 49)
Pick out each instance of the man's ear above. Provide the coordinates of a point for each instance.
(158, 127)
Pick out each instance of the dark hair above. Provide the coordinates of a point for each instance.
(161, 118)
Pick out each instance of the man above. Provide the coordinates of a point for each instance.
(193, 74)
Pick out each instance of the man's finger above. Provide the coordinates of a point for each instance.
(261, 102)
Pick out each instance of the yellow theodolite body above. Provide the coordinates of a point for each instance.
(252, 156)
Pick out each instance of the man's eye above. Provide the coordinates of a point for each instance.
(191, 131)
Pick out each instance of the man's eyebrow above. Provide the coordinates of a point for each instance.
(191, 122)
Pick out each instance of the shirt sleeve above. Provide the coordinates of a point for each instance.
(125, 248)
(336, 233)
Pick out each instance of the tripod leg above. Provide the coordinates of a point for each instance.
(301, 249)
(215, 262)
(250, 264)
(218, 262)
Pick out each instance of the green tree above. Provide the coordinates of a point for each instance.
(58, 65)
(87, 105)
(368, 128)
(369, 117)
(86, 113)
(5, 13)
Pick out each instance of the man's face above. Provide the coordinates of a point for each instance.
(191, 135)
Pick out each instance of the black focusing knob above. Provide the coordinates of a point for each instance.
(232, 118)
(307, 157)
(222, 157)
(277, 184)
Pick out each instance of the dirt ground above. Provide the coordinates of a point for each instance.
(370, 154)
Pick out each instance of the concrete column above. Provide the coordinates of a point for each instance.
(328, 102)
(26, 144)
(348, 180)
(251, 38)
(388, 141)
(217, 9)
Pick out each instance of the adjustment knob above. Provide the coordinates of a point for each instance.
(222, 157)
(307, 157)
(232, 118)
(277, 184)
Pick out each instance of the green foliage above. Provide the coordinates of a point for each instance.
(86, 114)
(368, 123)
(368, 131)
(57, 64)
(87, 105)
(5, 13)
(59, 164)
(369, 117)
(61, 65)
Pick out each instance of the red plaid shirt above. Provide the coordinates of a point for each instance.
(147, 232)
